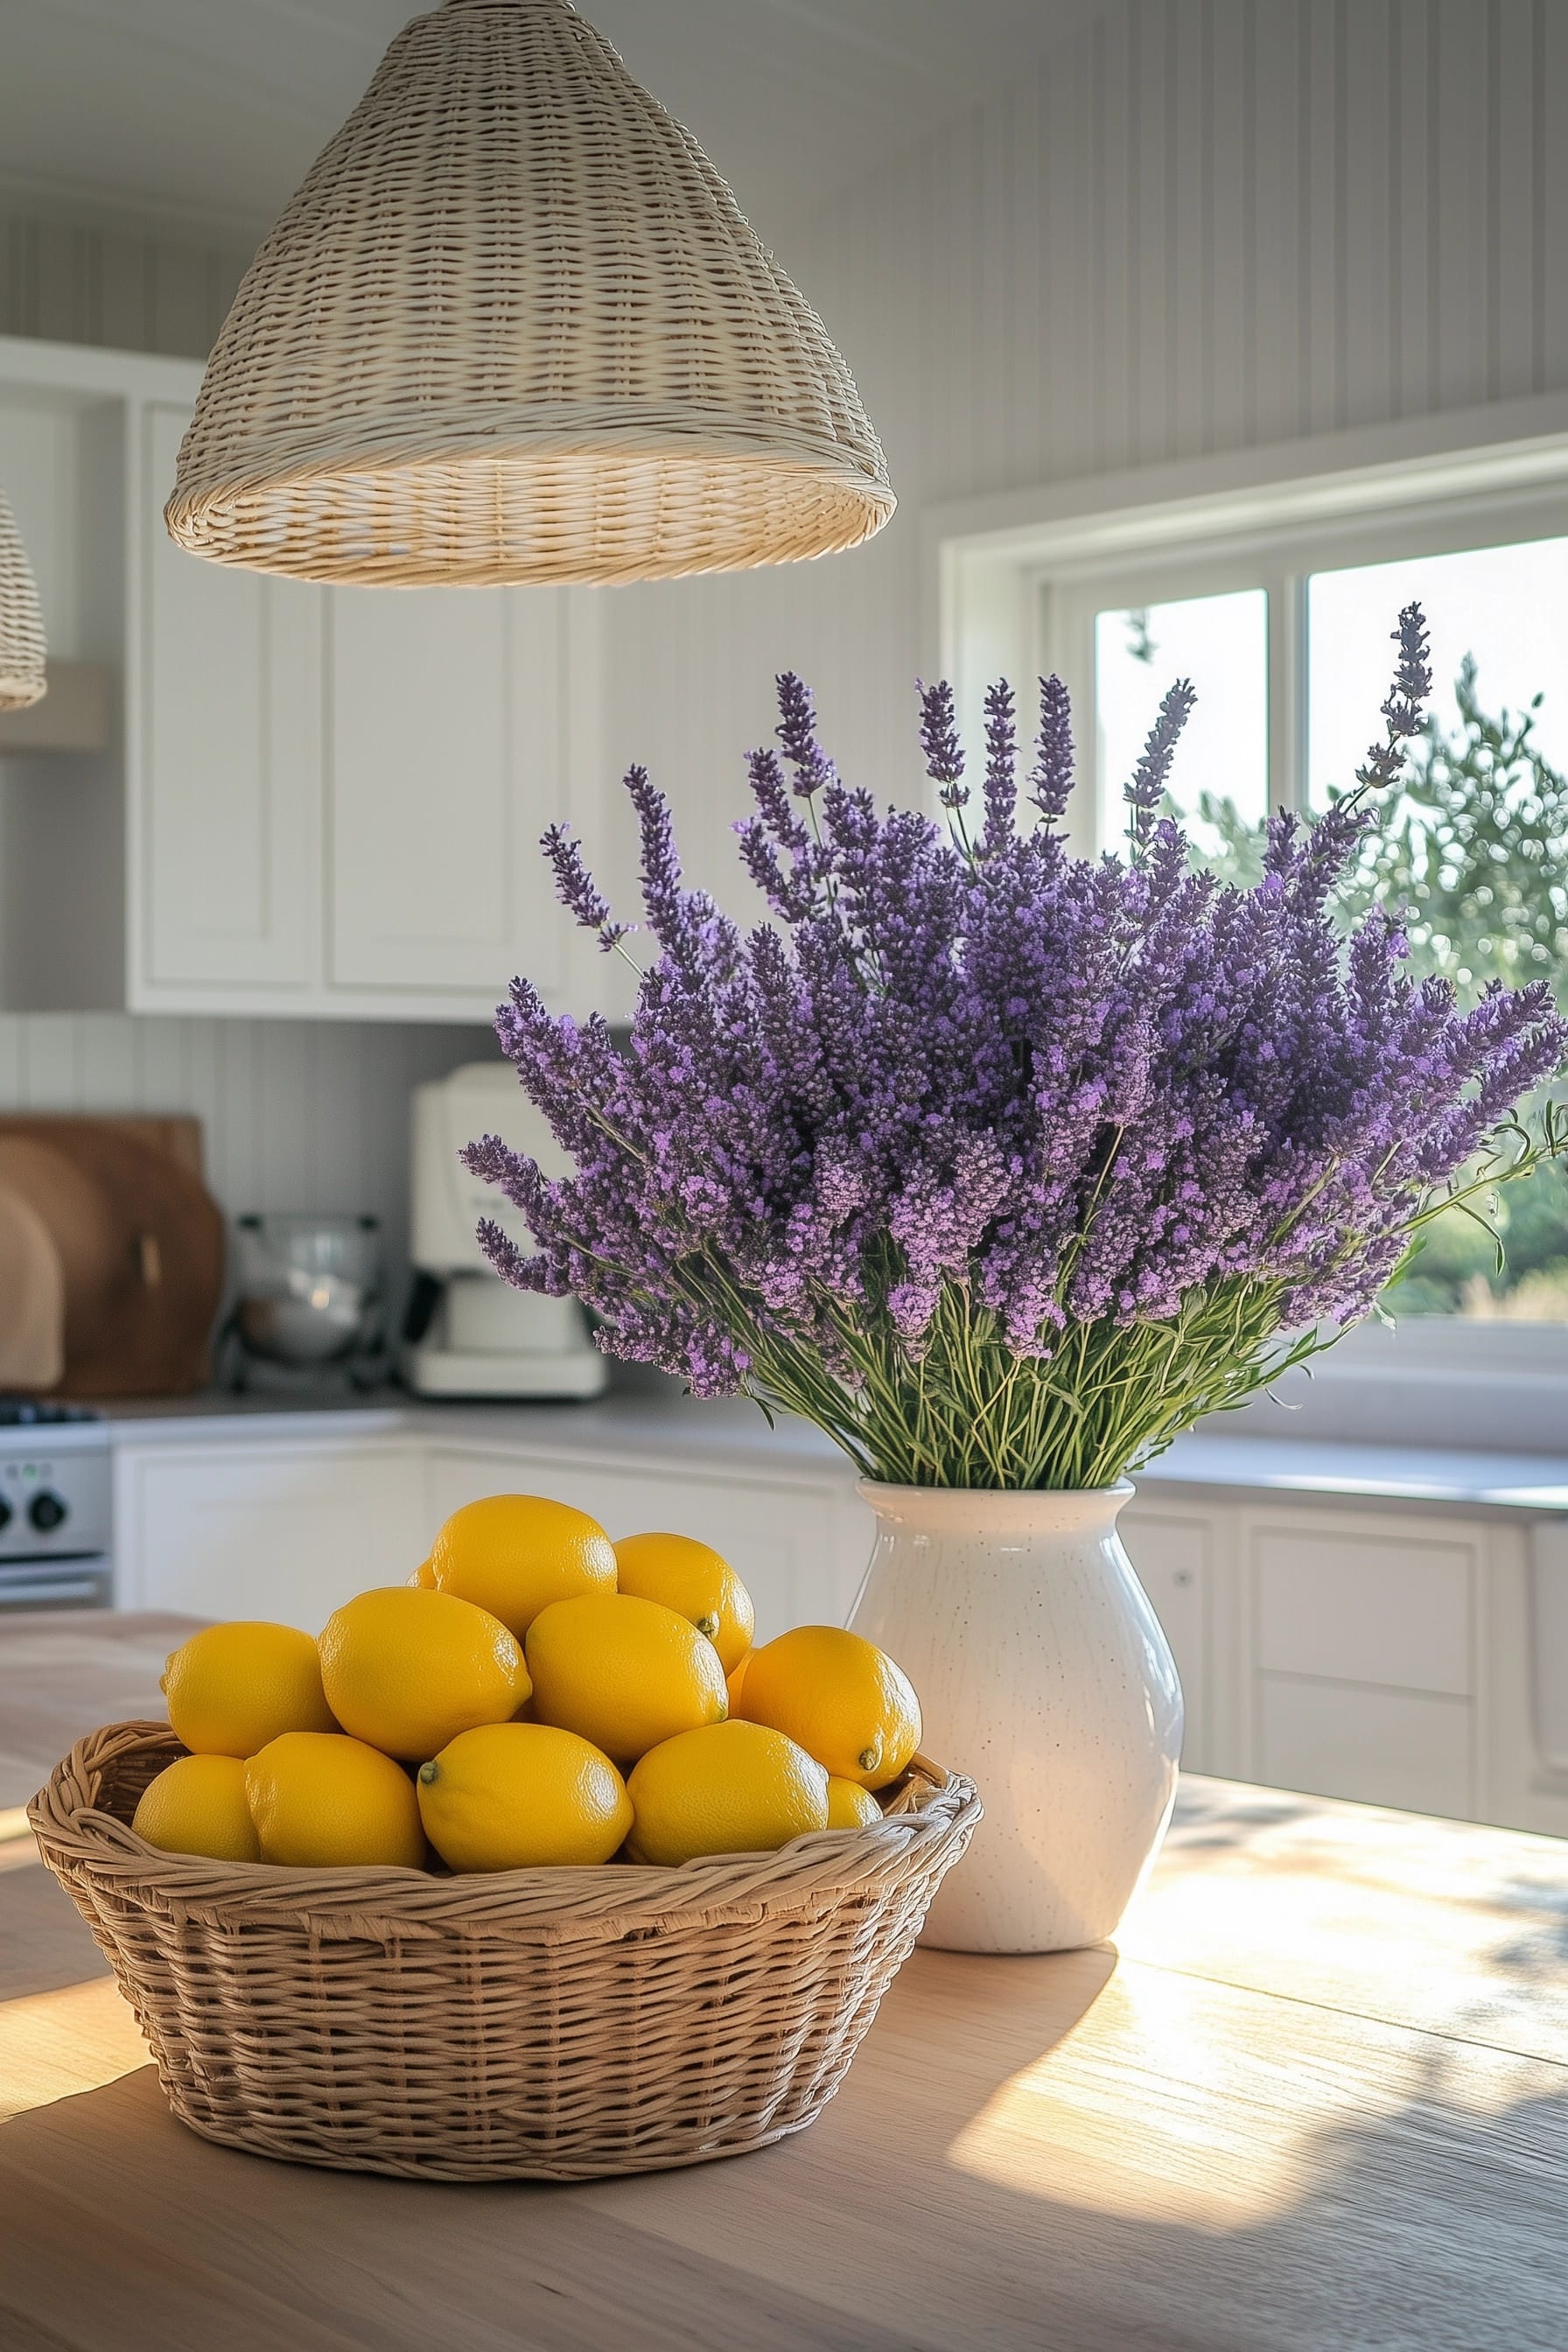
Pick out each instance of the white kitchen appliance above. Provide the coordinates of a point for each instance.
(467, 1333)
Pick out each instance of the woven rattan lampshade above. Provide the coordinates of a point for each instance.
(22, 679)
(513, 327)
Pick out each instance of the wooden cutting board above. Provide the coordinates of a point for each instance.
(139, 1240)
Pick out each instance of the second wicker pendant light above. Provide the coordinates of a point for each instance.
(513, 327)
(23, 678)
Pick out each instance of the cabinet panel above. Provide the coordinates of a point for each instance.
(447, 755)
(1172, 1554)
(1367, 1603)
(1380, 1747)
(801, 1553)
(282, 1533)
(231, 761)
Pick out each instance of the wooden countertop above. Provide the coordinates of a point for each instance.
(1317, 2098)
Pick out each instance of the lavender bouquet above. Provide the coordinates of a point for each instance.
(1003, 1165)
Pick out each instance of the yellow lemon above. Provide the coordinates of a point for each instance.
(522, 1796)
(198, 1806)
(231, 1688)
(424, 1577)
(735, 1681)
(731, 1788)
(694, 1579)
(623, 1673)
(844, 1699)
(409, 1670)
(514, 1554)
(320, 1799)
(850, 1806)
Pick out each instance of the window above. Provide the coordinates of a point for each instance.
(1221, 643)
(1287, 637)
(1504, 608)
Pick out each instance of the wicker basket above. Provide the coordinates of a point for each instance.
(22, 672)
(546, 2024)
(513, 327)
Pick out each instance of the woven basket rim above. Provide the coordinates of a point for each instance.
(604, 1903)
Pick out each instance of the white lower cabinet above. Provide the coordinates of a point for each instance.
(801, 1548)
(1359, 1653)
(286, 1532)
(1174, 1554)
(1410, 1749)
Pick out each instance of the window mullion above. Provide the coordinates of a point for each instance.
(1287, 689)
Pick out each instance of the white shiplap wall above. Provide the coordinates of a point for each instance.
(1204, 225)
(309, 1115)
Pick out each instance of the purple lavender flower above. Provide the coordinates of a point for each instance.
(939, 741)
(1051, 780)
(577, 889)
(1003, 1165)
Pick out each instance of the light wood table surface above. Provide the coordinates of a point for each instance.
(1317, 2098)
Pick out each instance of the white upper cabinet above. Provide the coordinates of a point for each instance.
(229, 812)
(339, 793)
(315, 801)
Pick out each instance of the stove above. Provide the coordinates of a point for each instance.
(55, 1504)
(43, 1412)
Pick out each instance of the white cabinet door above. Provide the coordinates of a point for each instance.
(1360, 1645)
(1379, 1747)
(447, 755)
(1377, 1601)
(284, 1532)
(800, 1550)
(226, 836)
(1174, 1554)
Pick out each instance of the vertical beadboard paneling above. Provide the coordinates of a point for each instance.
(1514, 132)
(77, 274)
(1064, 374)
(1414, 170)
(1273, 303)
(1189, 176)
(1150, 135)
(1229, 227)
(1463, 183)
(1320, 167)
(1110, 320)
(1365, 261)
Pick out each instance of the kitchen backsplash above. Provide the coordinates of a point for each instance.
(308, 1115)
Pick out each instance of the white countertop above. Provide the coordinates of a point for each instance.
(657, 1417)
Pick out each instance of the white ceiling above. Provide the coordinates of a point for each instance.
(217, 107)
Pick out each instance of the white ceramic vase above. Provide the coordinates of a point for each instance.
(1044, 1676)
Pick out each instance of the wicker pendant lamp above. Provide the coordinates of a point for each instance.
(513, 327)
(22, 678)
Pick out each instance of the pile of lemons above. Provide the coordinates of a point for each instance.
(534, 1695)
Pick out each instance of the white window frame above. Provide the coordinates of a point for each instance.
(1012, 583)
(1281, 564)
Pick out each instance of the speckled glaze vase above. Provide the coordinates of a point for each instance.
(1044, 1676)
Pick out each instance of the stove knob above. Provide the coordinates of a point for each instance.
(46, 1512)
(7, 1515)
